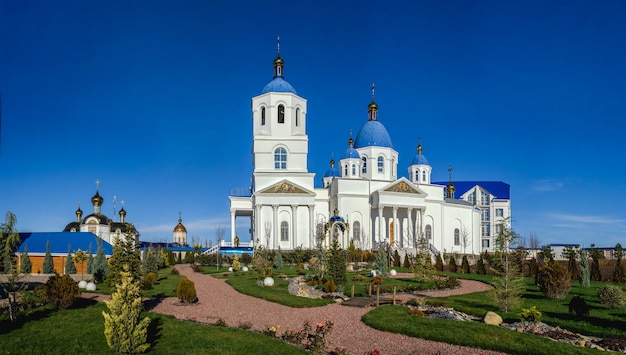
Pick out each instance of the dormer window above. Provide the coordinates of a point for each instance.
(281, 114)
(262, 116)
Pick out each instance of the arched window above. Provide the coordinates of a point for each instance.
(281, 114)
(262, 116)
(457, 237)
(284, 231)
(345, 170)
(297, 116)
(428, 231)
(381, 164)
(356, 231)
(364, 169)
(424, 176)
(417, 175)
(280, 158)
(353, 169)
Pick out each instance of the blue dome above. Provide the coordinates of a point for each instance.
(332, 172)
(419, 159)
(373, 133)
(351, 153)
(279, 85)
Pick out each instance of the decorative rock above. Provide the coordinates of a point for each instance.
(91, 286)
(373, 273)
(392, 272)
(268, 282)
(230, 269)
(244, 269)
(82, 284)
(492, 318)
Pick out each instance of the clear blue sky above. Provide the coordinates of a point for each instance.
(153, 99)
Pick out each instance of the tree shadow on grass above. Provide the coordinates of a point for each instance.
(151, 303)
(597, 321)
(6, 326)
(154, 332)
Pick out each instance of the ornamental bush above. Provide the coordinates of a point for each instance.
(330, 286)
(554, 280)
(149, 280)
(465, 268)
(612, 296)
(531, 314)
(186, 291)
(452, 264)
(61, 291)
(579, 306)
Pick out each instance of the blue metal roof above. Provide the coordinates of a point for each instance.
(373, 133)
(351, 153)
(278, 85)
(332, 172)
(59, 242)
(419, 159)
(498, 189)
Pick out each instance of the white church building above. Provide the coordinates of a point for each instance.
(362, 198)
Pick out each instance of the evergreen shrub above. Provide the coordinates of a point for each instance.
(149, 280)
(579, 306)
(452, 264)
(61, 291)
(612, 296)
(186, 291)
(554, 280)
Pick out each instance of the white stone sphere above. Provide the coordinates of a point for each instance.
(91, 286)
(373, 273)
(82, 284)
(244, 269)
(230, 269)
(392, 272)
(268, 282)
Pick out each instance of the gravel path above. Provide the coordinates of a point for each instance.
(217, 300)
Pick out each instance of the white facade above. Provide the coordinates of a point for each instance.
(362, 191)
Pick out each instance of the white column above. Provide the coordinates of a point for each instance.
(257, 234)
(312, 226)
(395, 224)
(294, 222)
(380, 224)
(409, 228)
(232, 226)
(275, 226)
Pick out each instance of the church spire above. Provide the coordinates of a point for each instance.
(450, 187)
(372, 108)
(279, 64)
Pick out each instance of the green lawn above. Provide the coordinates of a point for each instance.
(165, 286)
(80, 329)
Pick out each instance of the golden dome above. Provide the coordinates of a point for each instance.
(97, 200)
(122, 212)
(179, 227)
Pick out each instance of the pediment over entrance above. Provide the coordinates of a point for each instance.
(403, 186)
(285, 187)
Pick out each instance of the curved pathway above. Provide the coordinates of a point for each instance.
(218, 300)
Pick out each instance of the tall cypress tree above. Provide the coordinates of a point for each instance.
(27, 266)
(90, 260)
(70, 267)
(100, 268)
(48, 264)
(125, 252)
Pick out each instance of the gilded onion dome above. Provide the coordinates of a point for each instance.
(97, 200)
(79, 213)
(179, 227)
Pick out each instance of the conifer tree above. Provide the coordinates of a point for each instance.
(100, 268)
(452, 264)
(480, 266)
(407, 261)
(90, 260)
(124, 330)
(508, 286)
(572, 264)
(279, 259)
(596, 255)
(337, 264)
(618, 274)
(70, 267)
(150, 262)
(27, 266)
(465, 268)
(48, 264)
(125, 252)
(439, 263)
(584, 277)
(396, 259)
(9, 239)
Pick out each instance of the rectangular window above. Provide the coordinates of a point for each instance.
(485, 215)
(499, 212)
(499, 228)
(471, 198)
(484, 199)
(485, 230)
(485, 243)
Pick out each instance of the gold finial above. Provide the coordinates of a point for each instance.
(372, 108)
(180, 216)
(419, 145)
(350, 141)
